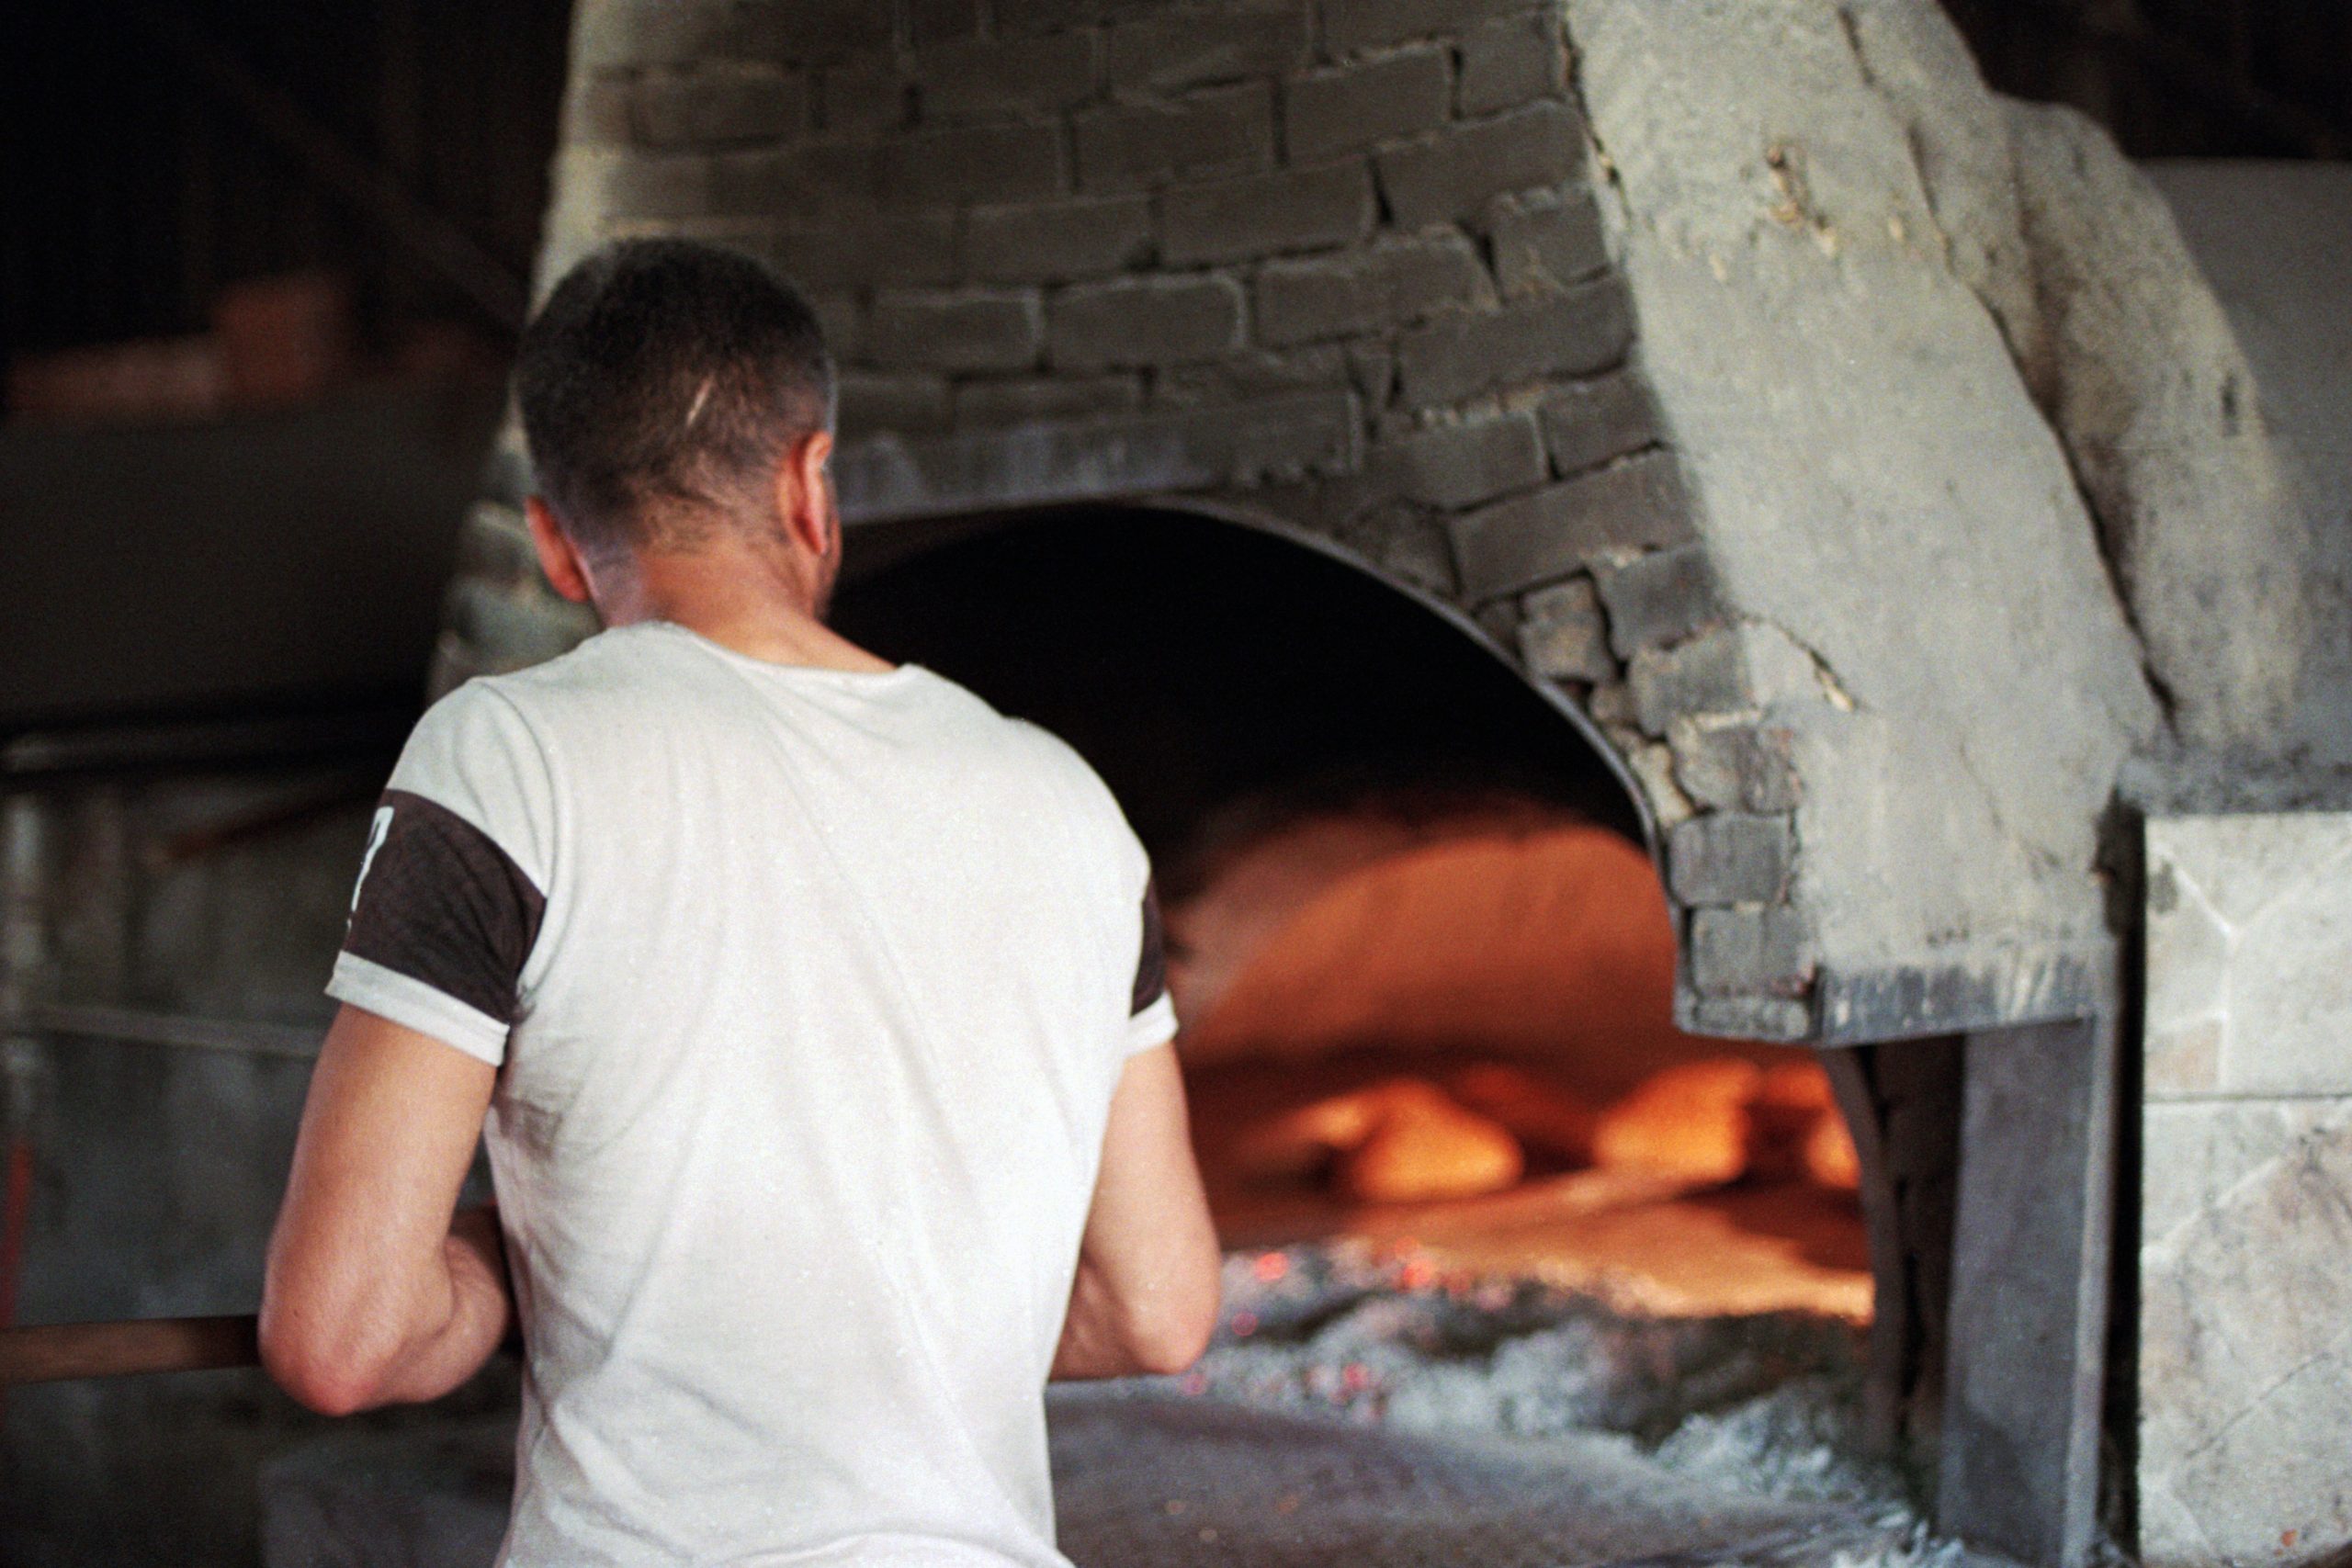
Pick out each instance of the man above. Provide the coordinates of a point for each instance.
(816, 1009)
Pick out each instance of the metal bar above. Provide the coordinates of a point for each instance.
(54, 1352)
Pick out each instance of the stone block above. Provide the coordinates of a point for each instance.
(1586, 423)
(1187, 49)
(870, 403)
(1054, 242)
(1450, 175)
(962, 330)
(1731, 857)
(1454, 466)
(1056, 71)
(1377, 24)
(1546, 534)
(1705, 675)
(721, 103)
(1019, 399)
(2249, 954)
(2195, 1152)
(1218, 131)
(1459, 357)
(1511, 60)
(1546, 240)
(1391, 284)
(813, 29)
(1743, 1017)
(1661, 597)
(1166, 320)
(622, 34)
(1016, 162)
(1259, 215)
(862, 96)
(1353, 106)
(867, 250)
(623, 186)
(840, 316)
(830, 177)
(1254, 374)
(1734, 765)
(1562, 637)
(1749, 951)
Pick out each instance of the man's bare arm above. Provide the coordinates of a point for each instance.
(1145, 1295)
(376, 1293)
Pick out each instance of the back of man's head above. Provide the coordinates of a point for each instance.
(662, 384)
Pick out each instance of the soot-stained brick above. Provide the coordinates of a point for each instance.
(1260, 214)
(1546, 534)
(1353, 106)
(1458, 357)
(1451, 173)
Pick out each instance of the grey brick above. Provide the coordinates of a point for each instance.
(840, 316)
(813, 29)
(1254, 374)
(1546, 240)
(1019, 400)
(1220, 130)
(1735, 765)
(1562, 637)
(977, 75)
(600, 110)
(867, 249)
(1021, 161)
(1463, 354)
(1452, 174)
(1454, 466)
(1056, 240)
(831, 178)
(721, 103)
(1743, 1017)
(1349, 108)
(1585, 423)
(1288, 210)
(1750, 951)
(1510, 60)
(1351, 25)
(1145, 321)
(906, 404)
(1186, 49)
(1706, 675)
(862, 94)
(1659, 598)
(1731, 857)
(1543, 535)
(1387, 284)
(965, 329)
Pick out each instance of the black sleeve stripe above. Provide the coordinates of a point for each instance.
(441, 903)
(1151, 966)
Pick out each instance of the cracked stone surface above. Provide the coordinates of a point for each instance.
(1785, 210)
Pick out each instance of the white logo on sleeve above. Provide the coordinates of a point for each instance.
(375, 831)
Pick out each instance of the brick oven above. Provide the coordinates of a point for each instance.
(1737, 420)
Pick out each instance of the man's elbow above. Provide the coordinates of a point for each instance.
(321, 1368)
(1177, 1330)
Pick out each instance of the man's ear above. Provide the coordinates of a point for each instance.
(559, 558)
(805, 493)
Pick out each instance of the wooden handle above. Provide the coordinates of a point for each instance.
(55, 1351)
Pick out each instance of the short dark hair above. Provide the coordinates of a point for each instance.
(660, 383)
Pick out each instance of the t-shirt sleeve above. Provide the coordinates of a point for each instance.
(1151, 1019)
(452, 887)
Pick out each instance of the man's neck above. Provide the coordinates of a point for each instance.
(740, 595)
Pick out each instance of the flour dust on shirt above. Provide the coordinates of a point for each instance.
(808, 990)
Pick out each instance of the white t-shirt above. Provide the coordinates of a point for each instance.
(808, 990)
